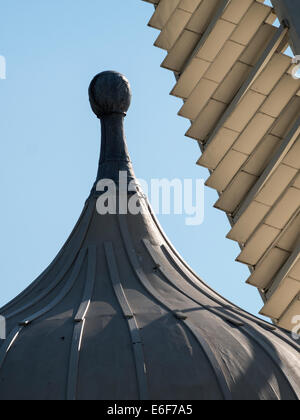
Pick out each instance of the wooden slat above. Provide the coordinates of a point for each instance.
(244, 109)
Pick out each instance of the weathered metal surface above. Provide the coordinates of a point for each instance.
(121, 316)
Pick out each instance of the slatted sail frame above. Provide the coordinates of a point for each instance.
(237, 88)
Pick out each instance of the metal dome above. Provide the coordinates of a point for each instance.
(119, 315)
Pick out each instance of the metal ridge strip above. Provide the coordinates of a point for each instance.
(36, 282)
(221, 380)
(90, 283)
(153, 254)
(74, 361)
(224, 317)
(264, 345)
(234, 307)
(16, 331)
(238, 311)
(179, 257)
(9, 341)
(80, 323)
(65, 269)
(66, 289)
(132, 323)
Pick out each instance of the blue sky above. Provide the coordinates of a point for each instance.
(50, 138)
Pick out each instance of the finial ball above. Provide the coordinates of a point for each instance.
(109, 93)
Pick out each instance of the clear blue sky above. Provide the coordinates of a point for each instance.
(50, 138)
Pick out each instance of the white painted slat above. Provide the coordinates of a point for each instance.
(243, 104)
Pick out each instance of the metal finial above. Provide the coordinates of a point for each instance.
(109, 93)
(110, 97)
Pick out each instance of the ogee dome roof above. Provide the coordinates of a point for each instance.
(119, 315)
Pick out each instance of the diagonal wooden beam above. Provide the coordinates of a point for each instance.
(255, 72)
(270, 169)
(284, 270)
(288, 11)
(207, 33)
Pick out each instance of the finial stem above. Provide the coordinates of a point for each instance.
(110, 97)
(114, 156)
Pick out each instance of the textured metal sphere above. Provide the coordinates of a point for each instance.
(109, 93)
